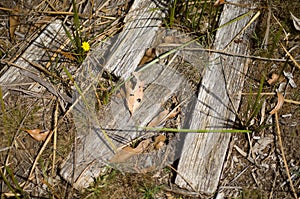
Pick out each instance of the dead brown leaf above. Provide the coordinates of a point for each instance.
(273, 79)
(38, 134)
(149, 56)
(280, 100)
(68, 55)
(165, 114)
(127, 152)
(134, 96)
(219, 2)
(159, 142)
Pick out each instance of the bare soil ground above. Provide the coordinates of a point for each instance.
(255, 165)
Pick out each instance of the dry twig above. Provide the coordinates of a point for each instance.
(283, 156)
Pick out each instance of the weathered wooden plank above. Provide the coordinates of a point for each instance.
(93, 149)
(22, 71)
(120, 56)
(203, 154)
(142, 23)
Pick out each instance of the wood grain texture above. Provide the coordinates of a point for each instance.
(126, 51)
(203, 154)
(162, 81)
(93, 151)
(22, 71)
(120, 56)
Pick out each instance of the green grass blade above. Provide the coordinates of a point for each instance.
(76, 16)
(69, 35)
(8, 184)
(196, 130)
(257, 103)
(201, 14)
(172, 13)
(77, 27)
(4, 118)
(16, 183)
(234, 20)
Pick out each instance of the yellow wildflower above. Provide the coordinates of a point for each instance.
(86, 46)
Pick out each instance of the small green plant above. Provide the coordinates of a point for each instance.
(12, 183)
(172, 13)
(253, 106)
(150, 191)
(78, 41)
(247, 194)
(197, 16)
(100, 183)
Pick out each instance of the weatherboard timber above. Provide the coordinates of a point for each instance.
(100, 137)
(21, 71)
(202, 157)
(120, 56)
(203, 154)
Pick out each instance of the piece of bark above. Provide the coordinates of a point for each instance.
(203, 155)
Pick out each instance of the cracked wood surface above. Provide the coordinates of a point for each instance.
(119, 56)
(22, 70)
(93, 149)
(203, 155)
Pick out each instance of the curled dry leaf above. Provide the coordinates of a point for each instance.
(261, 144)
(219, 2)
(127, 152)
(291, 81)
(296, 22)
(165, 114)
(273, 79)
(280, 100)
(134, 96)
(38, 134)
(149, 56)
(159, 142)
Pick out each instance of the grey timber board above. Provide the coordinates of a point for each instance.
(119, 56)
(203, 155)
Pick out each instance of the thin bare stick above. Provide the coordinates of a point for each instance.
(43, 147)
(290, 56)
(7, 9)
(54, 139)
(283, 156)
(190, 184)
(228, 53)
(267, 33)
(285, 32)
(292, 101)
(273, 186)
(41, 68)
